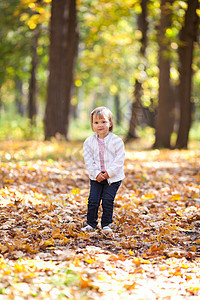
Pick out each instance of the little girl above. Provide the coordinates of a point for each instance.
(104, 158)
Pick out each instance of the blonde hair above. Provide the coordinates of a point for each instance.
(102, 112)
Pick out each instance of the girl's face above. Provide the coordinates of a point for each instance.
(101, 126)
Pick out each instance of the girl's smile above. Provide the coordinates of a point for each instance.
(101, 126)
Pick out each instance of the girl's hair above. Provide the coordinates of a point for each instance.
(102, 112)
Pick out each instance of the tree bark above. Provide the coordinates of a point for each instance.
(117, 107)
(143, 26)
(165, 112)
(63, 51)
(187, 38)
(136, 105)
(19, 96)
(32, 105)
(135, 110)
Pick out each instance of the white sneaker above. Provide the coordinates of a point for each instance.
(87, 228)
(107, 229)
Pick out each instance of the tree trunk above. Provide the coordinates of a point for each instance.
(63, 51)
(135, 110)
(187, 38)
(136, 106)
(143, 26)
(165, 113)
(117, 107)
(32, 105)
(19, 96)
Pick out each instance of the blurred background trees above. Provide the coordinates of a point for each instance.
(60, 59)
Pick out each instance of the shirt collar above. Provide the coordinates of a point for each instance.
(106, 138)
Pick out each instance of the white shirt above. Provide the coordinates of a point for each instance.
(114, 156)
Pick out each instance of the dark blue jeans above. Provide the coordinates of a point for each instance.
(105, 192)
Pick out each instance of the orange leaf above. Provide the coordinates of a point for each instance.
(29, 249)
(193, 248)
(56, 233)
(85, 282)
(130, 287)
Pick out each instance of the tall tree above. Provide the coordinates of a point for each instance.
(19, 96)
(63, 50)
(32, 104)
(187, 38)
(117, 108)
(136, 105)
(165, 112)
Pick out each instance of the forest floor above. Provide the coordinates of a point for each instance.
(155, 251)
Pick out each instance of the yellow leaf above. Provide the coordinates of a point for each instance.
(64, 240)
(175, 197)
(101, 276)
(159, 237)
(19, 268)
(75, 191)
(90, 260)
(175, 273)
(77, 263)
(7, 272)
(131, 252)
(137, 261)
(144, 261)
(184, 266)
(24, 17)
(193, 289)
(179, 213)
(49, 242)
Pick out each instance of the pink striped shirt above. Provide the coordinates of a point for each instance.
(101, 152)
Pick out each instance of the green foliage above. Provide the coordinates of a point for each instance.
(65, 278)
(195, 131)
(109, 59)
(107, 38)
(18, 19)
(15, 127)
(79, 129)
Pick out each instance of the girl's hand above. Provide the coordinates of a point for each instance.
(100, 177)
(105, 174)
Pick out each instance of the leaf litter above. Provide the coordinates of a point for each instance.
(156, 226)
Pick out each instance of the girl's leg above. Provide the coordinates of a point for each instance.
(94, 202)
(108, 196)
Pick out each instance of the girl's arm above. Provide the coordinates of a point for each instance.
(90, 164)
(118, 162)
